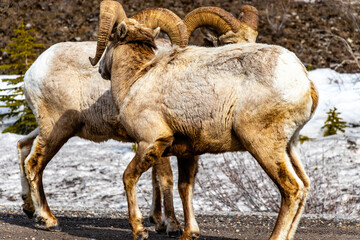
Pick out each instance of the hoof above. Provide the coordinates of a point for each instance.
(195, 235)
(39, 219)
(40, 225)
(189, 236)
(143, 235)
(55, 228)
(151, 219)
(174, 234)
(160, 228)
(29, 214)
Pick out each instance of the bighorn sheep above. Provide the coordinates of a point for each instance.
(239, 97)
(46, 87)
(85, 110)
(227, 29)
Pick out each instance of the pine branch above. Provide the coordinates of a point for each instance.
(21, 51)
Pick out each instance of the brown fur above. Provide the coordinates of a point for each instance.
(256, 113)
(86, 110)
(314, 97)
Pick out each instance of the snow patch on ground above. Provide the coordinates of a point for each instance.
(87, 174)
(338, 90)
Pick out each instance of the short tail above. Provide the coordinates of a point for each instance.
(314, 96)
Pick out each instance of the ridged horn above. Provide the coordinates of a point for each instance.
(168, 22)
(217, 18)
(111, 14)
(250, 16)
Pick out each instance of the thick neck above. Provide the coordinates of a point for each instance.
(128, 66)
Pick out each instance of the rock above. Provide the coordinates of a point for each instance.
(303, 31)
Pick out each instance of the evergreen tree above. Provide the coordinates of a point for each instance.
(333, 123)
(22, 53)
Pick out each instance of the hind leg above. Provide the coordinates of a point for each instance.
(300, 171)
(45, 146)
(24, 146)
(269, 147)
(293, 192)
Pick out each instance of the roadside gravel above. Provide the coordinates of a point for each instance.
(111, 224)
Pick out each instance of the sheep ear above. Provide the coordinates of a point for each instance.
(156, 32)
(121, 30)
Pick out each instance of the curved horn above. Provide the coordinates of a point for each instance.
(168, 22)
(221, 20)
(111, 14)
(249, 16)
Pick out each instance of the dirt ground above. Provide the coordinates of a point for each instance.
(319, 33)
(114, 225)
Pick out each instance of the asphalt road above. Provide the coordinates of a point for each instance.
(114, 225)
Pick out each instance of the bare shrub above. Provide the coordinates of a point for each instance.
(236, 182)
(333, 190)
(355, 56)
(347, 6)
(335, 37)
(276, 14)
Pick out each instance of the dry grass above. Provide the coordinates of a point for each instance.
(238, 182)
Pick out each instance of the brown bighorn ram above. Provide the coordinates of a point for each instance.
(227, 29)
(239, 97)
(85, 110)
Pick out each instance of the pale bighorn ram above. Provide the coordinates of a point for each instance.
(239, 97)
(86, 110)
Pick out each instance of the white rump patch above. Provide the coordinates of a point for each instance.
(291, 79)
(38, 71)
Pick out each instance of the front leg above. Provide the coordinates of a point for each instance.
(187, 172)
(146, 156)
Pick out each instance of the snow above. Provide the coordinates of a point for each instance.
(88, 174)
(335, 90)
(3, 85)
